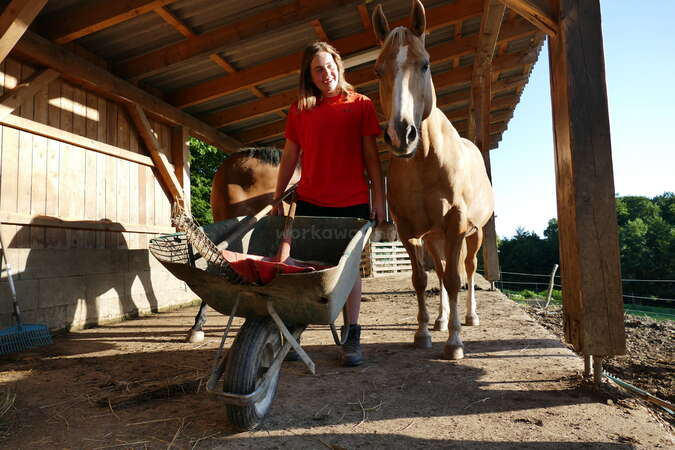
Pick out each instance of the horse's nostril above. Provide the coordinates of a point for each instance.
(412, 134)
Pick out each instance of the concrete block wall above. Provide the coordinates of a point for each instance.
(74, 288)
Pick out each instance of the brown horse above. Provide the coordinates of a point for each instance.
(243, 185)
(439, 192)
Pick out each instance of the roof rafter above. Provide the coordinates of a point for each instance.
(277, 128)
(294, 13)
(286, 65)
(14, 21)
(33, 47)
(75, 22)
(540, 13)
(437, 53)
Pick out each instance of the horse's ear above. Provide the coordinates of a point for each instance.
(418, 18)
(380, 24)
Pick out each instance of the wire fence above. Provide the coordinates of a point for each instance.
(520, 281)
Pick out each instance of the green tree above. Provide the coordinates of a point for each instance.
(204, 161)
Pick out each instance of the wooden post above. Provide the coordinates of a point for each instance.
(588, 365)
(589, 251)
(180, 155)
(479, 117)
(490, 254)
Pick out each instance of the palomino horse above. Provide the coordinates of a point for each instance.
(243, 185)
(439, 192)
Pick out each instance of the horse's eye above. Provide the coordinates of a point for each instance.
(425, 67)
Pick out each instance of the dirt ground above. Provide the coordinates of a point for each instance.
(136, 384)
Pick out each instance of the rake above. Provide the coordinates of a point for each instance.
(22, 336)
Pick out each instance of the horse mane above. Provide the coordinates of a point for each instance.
(267, 155)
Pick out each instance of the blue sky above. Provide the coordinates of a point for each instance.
(640, 69)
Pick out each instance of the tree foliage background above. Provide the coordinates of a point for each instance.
(646, 244)
(204, 161)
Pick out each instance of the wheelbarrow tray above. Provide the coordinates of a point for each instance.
(315, 297)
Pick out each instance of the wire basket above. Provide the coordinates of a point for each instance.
(180, 248)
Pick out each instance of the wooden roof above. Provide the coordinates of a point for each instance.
(233, 65)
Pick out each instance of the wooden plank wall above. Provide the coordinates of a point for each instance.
(42, 176)
(78, 211)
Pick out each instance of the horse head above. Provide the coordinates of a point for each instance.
(406, 91)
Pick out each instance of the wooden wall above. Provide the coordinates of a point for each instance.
(90, 188)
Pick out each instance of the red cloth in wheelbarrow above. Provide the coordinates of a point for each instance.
(261, 269)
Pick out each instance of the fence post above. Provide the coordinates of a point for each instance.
(550, 285)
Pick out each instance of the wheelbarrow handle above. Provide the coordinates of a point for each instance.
(250, 221)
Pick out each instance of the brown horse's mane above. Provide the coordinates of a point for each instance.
(267, 155)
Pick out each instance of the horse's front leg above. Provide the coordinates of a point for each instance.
(435, 249)
(455, 231)
(419, 280)
(473, 243)
(196, 334)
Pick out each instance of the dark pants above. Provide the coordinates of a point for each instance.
(361, 211)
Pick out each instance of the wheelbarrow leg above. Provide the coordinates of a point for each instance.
(339, 342)
(219, 363)
(290, 339)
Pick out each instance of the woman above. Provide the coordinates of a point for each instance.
(335, 128)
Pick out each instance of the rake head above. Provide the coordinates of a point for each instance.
(23, 337)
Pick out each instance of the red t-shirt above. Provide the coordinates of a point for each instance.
(330, 136)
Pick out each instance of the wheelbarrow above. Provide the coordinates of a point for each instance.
(276, 313)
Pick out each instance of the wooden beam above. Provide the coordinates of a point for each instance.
(319, 30)
(166, 173)
(78, 21)
(589, 252)
(180, 155)
(538, 12)
(14, 22)
(35, 48)
(25, 90)
(365, 16)
(172, 20)
(493, 14)
(214, 41)
(60, 135)
(290, 64)
(437, 53)
(216, 58)
(274, 129)
(11, 218)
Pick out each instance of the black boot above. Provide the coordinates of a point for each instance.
(351, 350)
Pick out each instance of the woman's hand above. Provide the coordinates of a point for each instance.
(378, 211)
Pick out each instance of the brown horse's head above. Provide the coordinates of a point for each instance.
(406, 91)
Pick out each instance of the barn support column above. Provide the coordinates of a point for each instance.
(490, 255)
(479, 117)
(589, 251)
(180, 155)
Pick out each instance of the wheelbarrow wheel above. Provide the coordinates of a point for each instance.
(249, 359)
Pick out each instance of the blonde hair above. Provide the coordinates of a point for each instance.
(308, 93)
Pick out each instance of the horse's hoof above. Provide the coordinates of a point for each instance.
(472, 321)
(453, 352)
(441, 325)
(194, 337)
(423, 341)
